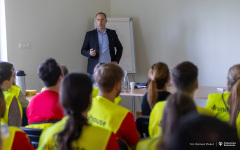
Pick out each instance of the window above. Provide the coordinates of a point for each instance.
(3, 40)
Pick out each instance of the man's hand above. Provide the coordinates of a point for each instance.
(92, 52)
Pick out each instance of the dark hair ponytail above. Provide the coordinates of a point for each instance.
(75, 97)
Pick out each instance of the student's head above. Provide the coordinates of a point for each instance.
(49, 72)
(108, 76)
(159, 77)
(184, 77)
(198, 129)
(6, 75)
(2, 104)
(101, 20)
(178, 105)
(234, 97)
(233, 76)
(76, 89)
(64, 69)
(75, 97)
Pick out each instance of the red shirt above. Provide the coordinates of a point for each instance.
(112, 143)
(44, 106)
(21, 141)
(128, 130)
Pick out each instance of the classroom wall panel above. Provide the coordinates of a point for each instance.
(53, 28)
(204, 32)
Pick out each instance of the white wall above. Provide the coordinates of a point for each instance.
(53, 28)
(204, 32)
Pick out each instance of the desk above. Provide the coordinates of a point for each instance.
(133, 93)
(201, 93)
(29, 97)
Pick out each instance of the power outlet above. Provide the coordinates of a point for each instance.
(24, 45)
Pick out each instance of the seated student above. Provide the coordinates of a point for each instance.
(159, 78)
(73, 131)
(219, 102)
(64, 72)
(45, 109)
(13, 112)
(200, 132)
(177, 105)
(15, 138)
(104, 112)
(21, 98)
(184, 77)
(18, 92)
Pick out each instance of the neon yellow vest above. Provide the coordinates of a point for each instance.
(8, 98)
(8, 141)
(156, 115)
(148, 144)
(117, 100)
(106, 114)
(39, 126)
(3, 123)
(238, 125)
(91, 138)
(216, 104)
(16, 90)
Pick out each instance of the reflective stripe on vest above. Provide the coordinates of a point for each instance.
(39, 126)
(91, 138)
(156, 115)
(8, 141)
(15, 90)
(216, 104)
(106, 114)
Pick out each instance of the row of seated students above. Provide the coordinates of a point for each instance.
(91, 112)
(81, 109)
(223, 106)
(108, 121)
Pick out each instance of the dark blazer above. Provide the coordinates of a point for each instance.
(91, 41)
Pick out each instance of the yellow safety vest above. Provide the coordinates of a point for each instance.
(8, 98)
(16, 90)
(216, 104)
(8, 141)
(106, 114)
(39, 126)
(117, 100)
(156, 115)
(91, 137)
(148, 144)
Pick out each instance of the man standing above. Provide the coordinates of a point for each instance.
(99, 44)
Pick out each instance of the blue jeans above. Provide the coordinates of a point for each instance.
(91, 77)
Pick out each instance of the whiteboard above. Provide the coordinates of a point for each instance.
(124, 30)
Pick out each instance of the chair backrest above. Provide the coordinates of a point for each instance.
(142, 126)
(122, 144)
(33, 135)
